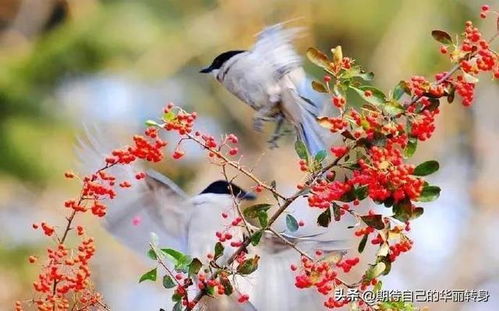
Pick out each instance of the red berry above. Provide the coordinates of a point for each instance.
(233, 151)
(178, 154)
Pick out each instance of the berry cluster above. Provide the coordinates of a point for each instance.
(66, 273)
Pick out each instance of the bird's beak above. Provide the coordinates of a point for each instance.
(248, 196)
(205, 70)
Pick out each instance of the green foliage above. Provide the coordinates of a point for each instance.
(149, 275)
(362, 243)
(377, 97)
(219, 250)
(291, 223)
(258, 211)
(195, 266)
(375, 221)
(168, 282)
(442, 37)
(180, 260)
(429, 193)
(324, 219)
(248, 266)
(301, 150)
(256, 237)
(426, 168)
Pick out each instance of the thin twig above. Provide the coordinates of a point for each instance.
(237, 166)
(290, 244)
(273, 218)
(237, 204)
(159, 259)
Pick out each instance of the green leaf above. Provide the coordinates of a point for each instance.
(152, 254)
(291, 223)
(348, 196)
(426, 168)
(377, 97)
(336, 211)
(402, 210)
(195, 266)
(318, 58)
(383, 250)
(400, 89)
(418, 211)
(320, 156)
(441, 36)
(170, 115)
(451, 93)
(429, 193)
(356, 72)
(393, 108)
(324, 218)
(378, 286)
(254, 210)
(361, 192)
(168, 282)
(151, 123)
(411, 147)
(301, 150)
(229, 289)
(176, 255)
(176, 297)
(375, 221)
(367, 76)
(179, 259)
(219, 250)
(319, 87)
(469, 78)
(362, 243)
(150, 275)
(263, 218)
(256, 237)
(177, 306)
(248, 266)
(375, 271)
(387, 262)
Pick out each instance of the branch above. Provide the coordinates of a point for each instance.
(273, 218)
(236, 202)
(237, 166)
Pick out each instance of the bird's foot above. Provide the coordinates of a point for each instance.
(258, 124)
(273, 140)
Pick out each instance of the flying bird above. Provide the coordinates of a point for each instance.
(269, 77)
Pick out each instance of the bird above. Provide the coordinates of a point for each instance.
(270, 78)
(158, 205)
(188, 223)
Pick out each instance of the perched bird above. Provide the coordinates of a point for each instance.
(184, 223)
(269, 77)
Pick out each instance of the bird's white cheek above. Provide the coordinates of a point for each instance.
(214, 72)
(210, 223)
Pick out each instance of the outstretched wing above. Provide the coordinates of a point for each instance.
(274, 46)
(154, 205)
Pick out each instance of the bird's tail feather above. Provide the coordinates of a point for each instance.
(302, 113)
(308, 130)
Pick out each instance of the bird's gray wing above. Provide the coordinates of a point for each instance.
(155, 204)
(274, 46)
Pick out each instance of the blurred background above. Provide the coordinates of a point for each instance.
(114, 64)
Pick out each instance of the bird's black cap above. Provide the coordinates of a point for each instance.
(224, 187)
(220, 60)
